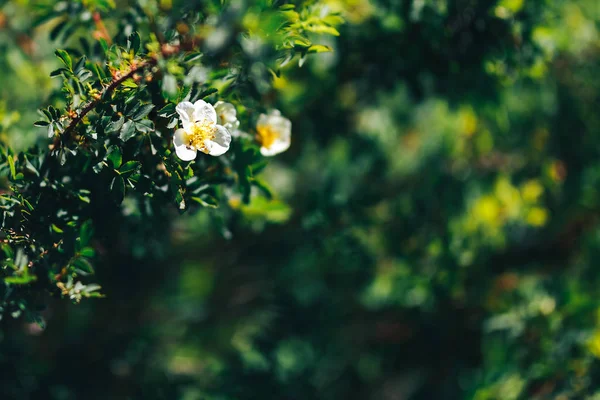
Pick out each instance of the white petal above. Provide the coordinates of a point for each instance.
(185, 153)
(204, 111)
(179, 137)
(185, 109)
(226, 112)
(182, 151)
(281, 125)
(263, 119)
(220, 144)
(279, 146)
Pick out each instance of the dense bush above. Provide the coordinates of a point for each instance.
(430, 233)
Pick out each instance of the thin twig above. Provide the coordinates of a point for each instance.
(107, 92)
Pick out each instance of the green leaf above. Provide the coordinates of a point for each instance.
(87, 252)
(83, 265)
(302, 41)
(127, 131)
(333, 19)
(167, 111)
(84, 75)
(207, 93)
(206, 201)
(134, 42)
(58, 72)
(323, 29)
(319, 48)
(190, 57)
(23, 279)
(129, 83)
(114, 157)
(99, 167)
(80, 64)
(117, 189)
(144, 126)
(41, 123)
(11, 164)
(85, 233)
(65, 58)
(114, 126)
(129, 167)
(263, 187)
(142, 112)
(103, 44)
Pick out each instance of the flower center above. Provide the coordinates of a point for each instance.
(266, 135)
(198, 133)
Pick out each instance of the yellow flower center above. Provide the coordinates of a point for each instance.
(198, 133)
(266, 135)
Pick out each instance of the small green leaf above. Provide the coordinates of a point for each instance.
(129, 83)
(117, 189)
(206, 201)
(56, 229)
(80, 64)
(129, 167)
(65, 58)
(142, 112)
(319, 48)
(114, 126)
(134, 42)
(85, 233)
(144, 126)
(99, 167)
(167, 111)
(87, 252)
(127, 131)
(207, 93)
(323, 29)
(83, 265)
(11, 164)
(23, 279)
(58, 72)
(114, 157)
(103, 44)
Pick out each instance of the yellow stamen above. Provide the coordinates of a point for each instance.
(266, 135)
(198, 133)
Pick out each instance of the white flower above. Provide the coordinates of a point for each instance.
(274, 133)
(200, 132)
(227, 116)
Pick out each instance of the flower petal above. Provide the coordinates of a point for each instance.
(185, 109)
(220, 144)
(185, 153)
(263, 119)
(182, 151)
(204, 111)
(226, 112)
(279, 146)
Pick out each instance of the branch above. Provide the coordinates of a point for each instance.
(107, 92)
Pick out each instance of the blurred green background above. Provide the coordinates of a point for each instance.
(434, 234)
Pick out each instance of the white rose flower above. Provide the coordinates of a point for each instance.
(274, 133)
(200, 132)
(227, 116)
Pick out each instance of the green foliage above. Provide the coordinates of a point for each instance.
(111, 130)
(432, 232)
